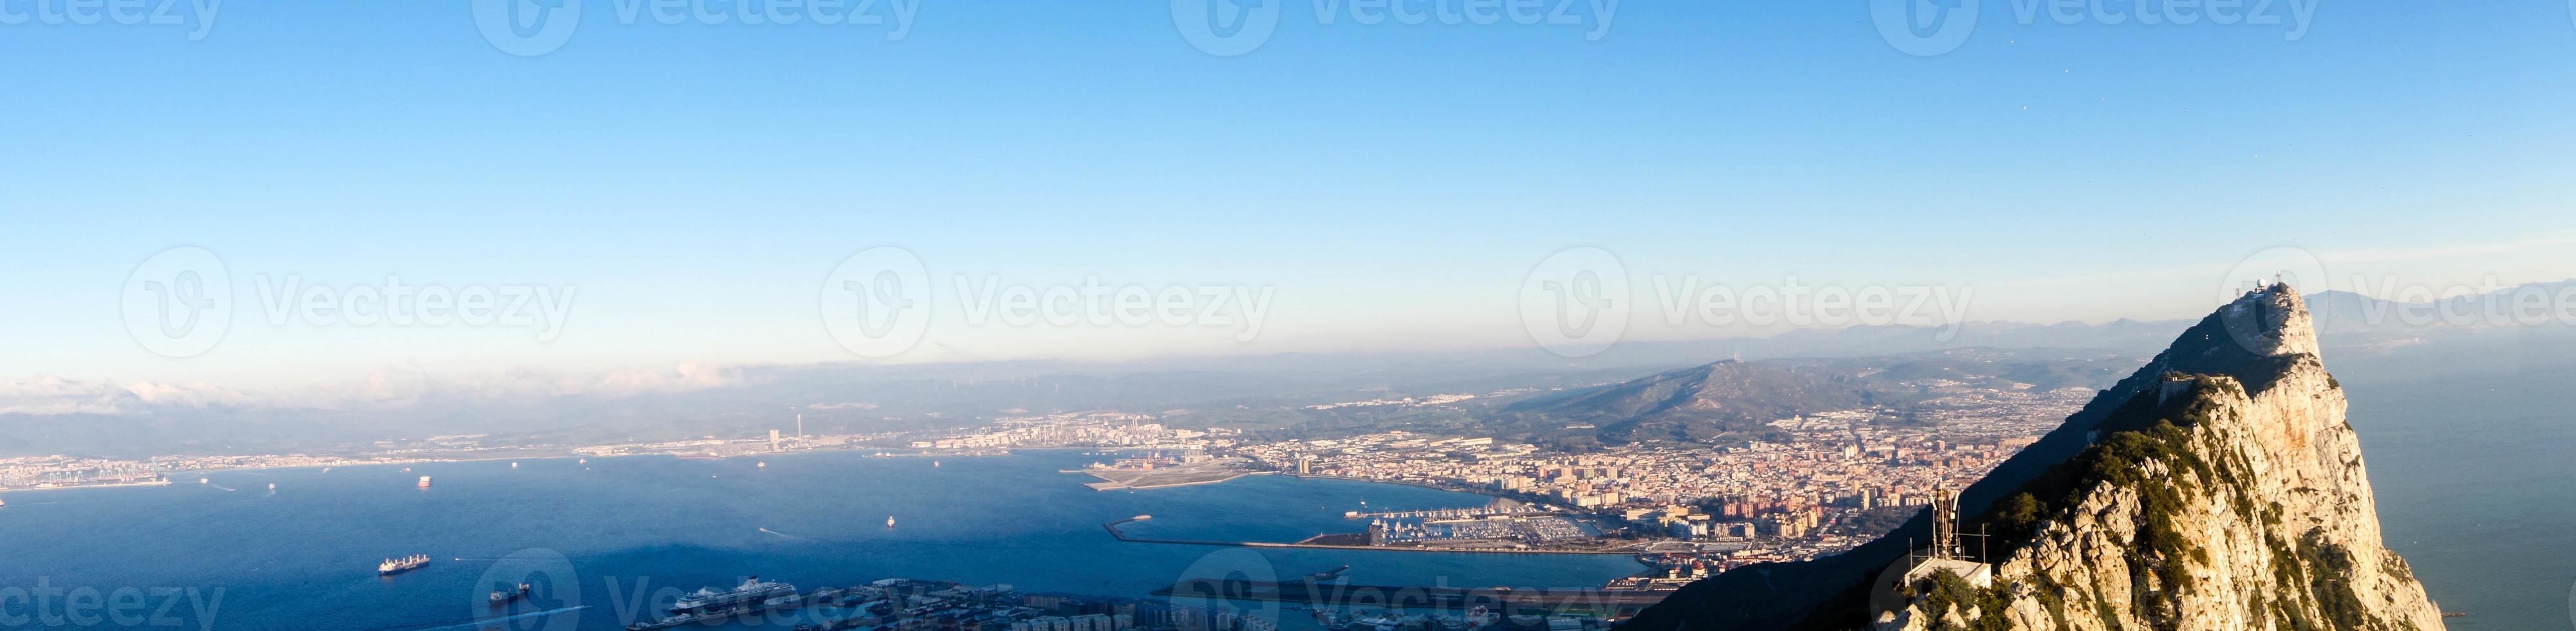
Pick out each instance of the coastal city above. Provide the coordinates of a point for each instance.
(900, 604)
(1837, 480)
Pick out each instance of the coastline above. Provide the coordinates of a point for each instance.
(1106, 484)
(1537, 501)
(1112, 527)
(102, 485)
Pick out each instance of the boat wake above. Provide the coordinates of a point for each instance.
(225, 488)
(774, 532)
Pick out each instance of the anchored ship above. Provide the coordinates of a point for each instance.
(503, 597)
(753, 591)
(397, 566)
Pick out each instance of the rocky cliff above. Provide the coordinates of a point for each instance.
(2216, 488)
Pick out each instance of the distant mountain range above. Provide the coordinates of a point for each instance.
(1794, 371)
(2363, 323)
(1729, 402)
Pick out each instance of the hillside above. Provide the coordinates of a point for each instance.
(2215, 488)
(1727, 400)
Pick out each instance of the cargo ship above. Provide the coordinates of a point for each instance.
(503, 597)
(397, 566)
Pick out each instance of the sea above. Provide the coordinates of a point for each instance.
(2475, 473)
(2473, 460)
(610, 537)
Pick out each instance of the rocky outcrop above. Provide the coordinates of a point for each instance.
(2218, 488)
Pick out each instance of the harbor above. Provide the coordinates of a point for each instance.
(1312, 543)
(1159, 472)
(470, 520)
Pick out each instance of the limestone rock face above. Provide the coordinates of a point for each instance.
(2209, 502)
(2217, 488)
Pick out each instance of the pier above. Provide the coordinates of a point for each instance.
(1450, 513)
(1112, 527)
(1384, 597)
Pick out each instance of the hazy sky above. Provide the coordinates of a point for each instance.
(1390, 185)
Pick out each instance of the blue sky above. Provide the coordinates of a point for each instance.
(1394, 183)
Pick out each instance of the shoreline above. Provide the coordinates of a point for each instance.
(103, 485)
(1123, 537)
(1106, 484)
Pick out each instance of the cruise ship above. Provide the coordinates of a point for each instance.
(753, 592)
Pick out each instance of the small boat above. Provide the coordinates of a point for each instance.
(514, 465)
(763, 465)
(424, 482)
(205, 481)
(501, 597)
(272, 487)
(406, 469)
(889, 521)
